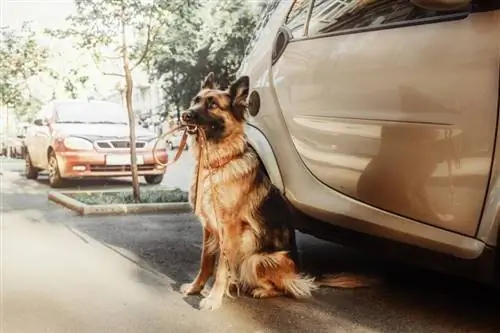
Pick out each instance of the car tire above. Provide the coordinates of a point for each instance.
(55, 179)
(29, 170)
(153, 179)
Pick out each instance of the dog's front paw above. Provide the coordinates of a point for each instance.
(191, 289)
(211, 303)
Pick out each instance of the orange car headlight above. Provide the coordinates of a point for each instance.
(78, 144)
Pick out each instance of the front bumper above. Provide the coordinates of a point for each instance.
(80, 164)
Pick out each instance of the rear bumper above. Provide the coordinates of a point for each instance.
(93, 164)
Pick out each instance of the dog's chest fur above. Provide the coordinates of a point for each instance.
(229, 191)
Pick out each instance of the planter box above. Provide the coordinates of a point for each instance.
(69, 199)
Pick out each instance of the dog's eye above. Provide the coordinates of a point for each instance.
(211, 104)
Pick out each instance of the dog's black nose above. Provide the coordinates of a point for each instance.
(186, 117)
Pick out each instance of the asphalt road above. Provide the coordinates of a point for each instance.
(63, 273)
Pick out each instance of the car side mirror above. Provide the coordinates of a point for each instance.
(40, 122)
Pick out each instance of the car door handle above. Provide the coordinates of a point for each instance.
(282, 39)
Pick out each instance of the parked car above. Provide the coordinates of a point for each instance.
(12, 146)
(18, 146)
(81, 139)
(378, 120)
(3, 145)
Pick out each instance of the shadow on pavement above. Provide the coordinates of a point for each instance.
(407, 300)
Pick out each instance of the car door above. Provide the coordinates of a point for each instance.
(31, 140)
(38, 139)
(392, 103)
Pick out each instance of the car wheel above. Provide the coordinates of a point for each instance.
(55, 179)
(29, 170)
(153, 179)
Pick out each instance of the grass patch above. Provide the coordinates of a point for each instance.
(126, 197)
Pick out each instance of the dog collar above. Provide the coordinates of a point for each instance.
(219, 163)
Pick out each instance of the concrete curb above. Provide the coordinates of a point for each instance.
(116, 209)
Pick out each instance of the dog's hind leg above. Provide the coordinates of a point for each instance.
(273, 274)
(265, 290)
(208, 254)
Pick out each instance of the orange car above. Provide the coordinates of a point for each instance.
(80, 139)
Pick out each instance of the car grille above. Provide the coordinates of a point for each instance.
(119, 168)
(118, 144)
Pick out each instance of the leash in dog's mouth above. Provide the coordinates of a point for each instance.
(186, 129)
(191, 129)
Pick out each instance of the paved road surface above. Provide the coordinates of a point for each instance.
(63, 273)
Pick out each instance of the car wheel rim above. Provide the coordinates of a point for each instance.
(52, 169)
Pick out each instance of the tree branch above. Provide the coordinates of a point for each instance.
(112, 74)
(146, 49)
(149, 39)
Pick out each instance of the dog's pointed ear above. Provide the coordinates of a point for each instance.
(209, 81)
(238, 92)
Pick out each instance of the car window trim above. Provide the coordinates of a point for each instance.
(284, 22)
(308, 18)
(396, 25)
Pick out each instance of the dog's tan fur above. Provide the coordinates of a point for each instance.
(240, 198)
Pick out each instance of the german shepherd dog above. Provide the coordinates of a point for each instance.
(258, 253)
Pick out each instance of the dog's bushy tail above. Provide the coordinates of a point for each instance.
(344, 280)
(278, 269)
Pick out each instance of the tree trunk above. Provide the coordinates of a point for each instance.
(131, 115)
(7, 130)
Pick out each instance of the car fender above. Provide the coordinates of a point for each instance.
(489, 228)
(258, 141)
(490, 222)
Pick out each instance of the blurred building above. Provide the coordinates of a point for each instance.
(147, 101)
(8, 121)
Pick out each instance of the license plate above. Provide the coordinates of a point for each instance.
(122, 160)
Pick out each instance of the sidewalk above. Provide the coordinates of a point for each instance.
(56, 281)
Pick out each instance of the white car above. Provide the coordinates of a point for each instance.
(379, 121)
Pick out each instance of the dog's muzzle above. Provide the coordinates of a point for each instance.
(187, 119)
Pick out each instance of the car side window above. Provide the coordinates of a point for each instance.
(268, 11)
(297, 17)
(38, 116)
(330, 16)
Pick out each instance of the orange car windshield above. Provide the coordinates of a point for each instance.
(90, 113)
